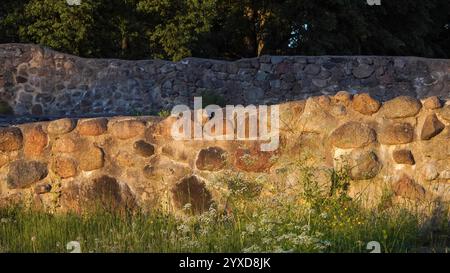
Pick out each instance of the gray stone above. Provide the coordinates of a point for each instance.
(363, 71)
(24, 173)
(312, 69)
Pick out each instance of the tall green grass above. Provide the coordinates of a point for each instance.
(306, 220)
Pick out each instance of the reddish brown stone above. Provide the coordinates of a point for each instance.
(401, 107)
(407, 188)
(64, 145)
(127, 129)
(11, 139)
(365, 104)
(396, 133)
(431, 127)
(403, 157)
(254, 160)
(93, 127)
(91, 158)
(432, 103)
(211, 159)
(65, 167)
(35, 141)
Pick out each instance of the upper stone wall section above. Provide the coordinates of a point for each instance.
(39, 81)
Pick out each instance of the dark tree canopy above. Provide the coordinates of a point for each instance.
(229, 29)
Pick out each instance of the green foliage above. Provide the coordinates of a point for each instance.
(164, 113)
(174, 29)
(209, 97)
(5, 108)
(178, 25)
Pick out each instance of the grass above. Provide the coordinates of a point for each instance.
(311, 219)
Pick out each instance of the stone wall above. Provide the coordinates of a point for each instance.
(39, 81)
(400, 146)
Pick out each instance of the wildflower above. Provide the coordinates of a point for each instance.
(187, 206)
(183, 228)
(324, 215)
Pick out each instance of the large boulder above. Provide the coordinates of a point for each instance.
(401, 107)
(23, 173)
(432, 126)
(396, 133)
(11, 139)
(352, 135)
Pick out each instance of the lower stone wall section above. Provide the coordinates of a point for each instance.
(122, 163)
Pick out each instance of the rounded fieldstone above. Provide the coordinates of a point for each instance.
(364, 165)
(365, 104)
(65, 167)
(432, 103)
(211, 159)
(445, 113)
(60, 126)
(64, 145)
(407, 188)
(403, 157)
(93, 127)
(24, 173)
(363, 71)
(352, 135)
(35, 141)
(432, 127)
(11, 139)
(343, 97)
(192, 190)
(312, 69)
(430, 172)
(108, 194)
(401, 107)
(143, 148)
(396, 133)
(91, 159)
(127, 129)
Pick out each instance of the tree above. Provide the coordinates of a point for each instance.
(173, 26)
